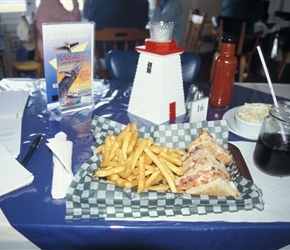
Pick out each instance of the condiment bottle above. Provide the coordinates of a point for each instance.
(272, 151)
(224, 74)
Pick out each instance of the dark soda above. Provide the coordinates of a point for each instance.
(272, 154)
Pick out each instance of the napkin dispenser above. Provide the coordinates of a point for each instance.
(157, 93)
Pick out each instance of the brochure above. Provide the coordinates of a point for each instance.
(68, 63)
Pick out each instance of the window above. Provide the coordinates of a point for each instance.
(67, 4)
(7, 6)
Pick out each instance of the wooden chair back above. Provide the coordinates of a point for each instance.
(223, 30)
(245, 48)
(193, 31)
(285, 47)
(116, 39)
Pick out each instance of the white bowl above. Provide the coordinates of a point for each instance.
(249, 118)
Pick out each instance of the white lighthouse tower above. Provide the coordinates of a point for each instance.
(157, 93)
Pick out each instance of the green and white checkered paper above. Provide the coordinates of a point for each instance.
(89, 198)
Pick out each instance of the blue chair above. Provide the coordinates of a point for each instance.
(190, 65)
(26, 65)
(122, 65)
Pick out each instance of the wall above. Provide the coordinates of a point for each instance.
(8, 24)
(9, 21)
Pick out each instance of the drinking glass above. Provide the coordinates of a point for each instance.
(161, 31)
(272, 151)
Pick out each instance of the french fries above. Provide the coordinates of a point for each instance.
(138, 163)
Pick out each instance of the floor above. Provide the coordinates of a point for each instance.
(206, 61)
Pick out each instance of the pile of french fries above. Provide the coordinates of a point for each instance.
(132, 162)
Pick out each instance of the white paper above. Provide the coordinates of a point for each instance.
(12, 104)
(62, 161)
(274, 190)
(11, 238)
(12, 174)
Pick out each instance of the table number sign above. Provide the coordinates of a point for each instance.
(198, 110)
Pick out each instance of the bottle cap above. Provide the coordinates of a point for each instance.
(229, 39)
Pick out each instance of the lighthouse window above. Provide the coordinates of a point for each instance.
(149, 66)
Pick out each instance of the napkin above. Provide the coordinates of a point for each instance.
(62, 161)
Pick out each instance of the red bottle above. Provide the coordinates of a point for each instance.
(224, 74)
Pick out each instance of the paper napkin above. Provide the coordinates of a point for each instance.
(62, 160)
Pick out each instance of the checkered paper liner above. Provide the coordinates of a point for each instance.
(89, 198)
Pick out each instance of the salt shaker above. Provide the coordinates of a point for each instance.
(200, 95)
(224, 74)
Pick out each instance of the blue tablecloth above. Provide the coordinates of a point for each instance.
(33, 212)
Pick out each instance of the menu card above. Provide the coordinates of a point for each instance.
(12, 174)
(68, 63)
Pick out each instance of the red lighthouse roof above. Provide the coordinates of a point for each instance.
(160, 48)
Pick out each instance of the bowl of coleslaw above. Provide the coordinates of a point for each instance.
(249, 118)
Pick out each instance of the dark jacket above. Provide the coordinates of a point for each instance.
(116, 14)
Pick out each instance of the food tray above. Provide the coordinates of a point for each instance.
(89, 198)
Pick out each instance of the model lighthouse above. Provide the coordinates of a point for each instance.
(157, 93)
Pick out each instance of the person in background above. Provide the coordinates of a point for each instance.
(25, 33)
(248, 11)
(170, 11)
(52, 11)
(116, 14)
